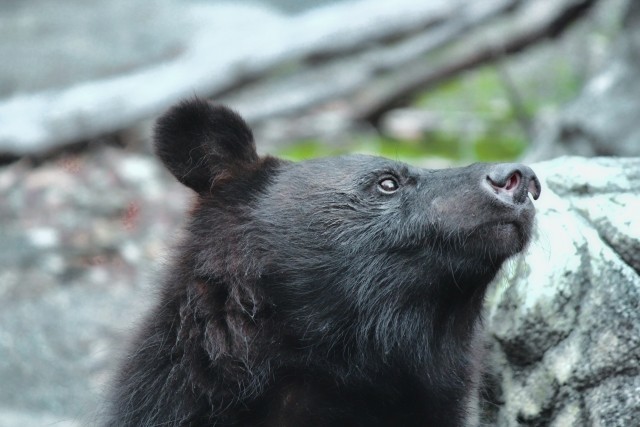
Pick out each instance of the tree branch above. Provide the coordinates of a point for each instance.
(410, 81)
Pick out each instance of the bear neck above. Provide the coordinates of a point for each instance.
(422, 336)
(425, 337)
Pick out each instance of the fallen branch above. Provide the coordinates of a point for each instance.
(220, 55)
(410, 81)
(343, 76)
(358, 56)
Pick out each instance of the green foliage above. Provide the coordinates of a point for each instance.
(480, 95)
(503, 148)
(308, 149)
(437, 145)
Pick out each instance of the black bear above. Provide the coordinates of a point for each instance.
(340, 291)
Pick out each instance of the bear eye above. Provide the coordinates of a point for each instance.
(388, 185)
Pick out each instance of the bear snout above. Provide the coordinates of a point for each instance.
(513, 182)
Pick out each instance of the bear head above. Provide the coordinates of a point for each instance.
(358, 253)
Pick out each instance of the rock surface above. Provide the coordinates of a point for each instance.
(83, 239)
(566, 330)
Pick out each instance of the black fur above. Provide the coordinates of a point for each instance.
(303, 295)
(198, 142)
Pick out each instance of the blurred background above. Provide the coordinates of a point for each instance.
(87, 213)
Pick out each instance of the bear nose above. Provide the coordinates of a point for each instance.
(514, 181)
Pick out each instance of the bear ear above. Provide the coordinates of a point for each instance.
(200, 142)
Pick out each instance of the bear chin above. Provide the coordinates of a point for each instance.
(511, 237)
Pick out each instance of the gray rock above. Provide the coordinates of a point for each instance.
(566, 331)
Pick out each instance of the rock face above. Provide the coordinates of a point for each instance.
(566, 331)
(82, 239)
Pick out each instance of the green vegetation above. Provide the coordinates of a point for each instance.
(479, 121)
(387, 147)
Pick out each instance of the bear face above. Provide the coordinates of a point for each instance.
(354, 234)
(337, 291)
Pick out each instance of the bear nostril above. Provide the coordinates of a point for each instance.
(514, 181)
(534, 187)
(505, 182)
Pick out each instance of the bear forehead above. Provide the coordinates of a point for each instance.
(344, 169)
